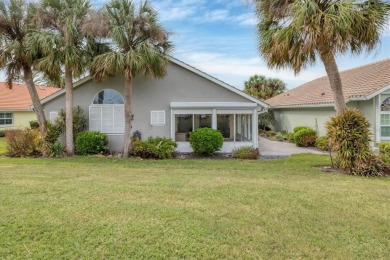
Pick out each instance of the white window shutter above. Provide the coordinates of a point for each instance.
(107, 119)
(119, 119)
(95, 116)
(157, 117)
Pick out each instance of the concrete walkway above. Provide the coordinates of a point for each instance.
(276, 148)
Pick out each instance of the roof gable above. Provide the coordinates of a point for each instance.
(358, 84)
(18, 98)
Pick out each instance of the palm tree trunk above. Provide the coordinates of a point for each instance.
(69, 111)
(38, 109)
(334, 80)
(128, 117)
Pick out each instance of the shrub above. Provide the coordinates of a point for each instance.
(91, 142)
(322, 143)
(384, 151)
(289, 137)
(305, 137)
(2, 133)
(298, 128)
(246, 152)
(270, 133)
(136, 136)
(34, 124)
(349, 137)
(57, 149)
(52, 134)
(280, 136)
(79, 121)
(24, 143)
(206, 141)
(154, 148)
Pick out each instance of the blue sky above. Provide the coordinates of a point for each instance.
(219, 37)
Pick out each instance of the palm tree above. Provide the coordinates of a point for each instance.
(295, 33)
(262, 88)
(140, 47)
(63, 43)
(15, 17)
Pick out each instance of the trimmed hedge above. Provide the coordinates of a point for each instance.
(91, 142)
(206, 141)
(298, 128)
(305, 137)
(34, 124)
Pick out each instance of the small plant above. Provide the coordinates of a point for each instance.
(34, 124)
(52, 134)
(79, 121)
(246, 152)
(136, 136)
(24, 143)
(289, 137)
(305, 137)
(2, 133)
(206, 141)
(56, 150)
(154, 148)
(322, 143)
(298, 128)
(349, 137)
(280, 136)
(384, 152)
(91, 142)
(270, 133)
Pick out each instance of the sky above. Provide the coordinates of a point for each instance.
(219, 37)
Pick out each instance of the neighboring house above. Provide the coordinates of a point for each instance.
(186, 99)
(14, 105)
(366, 88)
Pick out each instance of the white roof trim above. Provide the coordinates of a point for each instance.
(303, 106)
(378, 92)
(181, 64)
(217, 81)
(213, 105)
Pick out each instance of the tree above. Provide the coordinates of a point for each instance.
(295, 33)
(15, 24)
(262, 88)
(140, 47)
(65, 48)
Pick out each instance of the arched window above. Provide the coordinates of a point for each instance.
(106, 113)
(385, 106)
(108, 97)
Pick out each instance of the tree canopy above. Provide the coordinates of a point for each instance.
(264, 88)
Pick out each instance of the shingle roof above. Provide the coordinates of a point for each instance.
(18, 98)
(359, 82)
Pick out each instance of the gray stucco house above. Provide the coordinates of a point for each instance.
(311, 104)
(186, 99)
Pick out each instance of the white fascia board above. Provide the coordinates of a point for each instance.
(376, 93)
(213, 105)
(219, 82)
(303, 106)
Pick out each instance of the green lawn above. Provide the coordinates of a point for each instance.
(104, 208)
(2, 146)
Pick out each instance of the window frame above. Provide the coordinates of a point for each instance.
(7, 118)
(158, 123)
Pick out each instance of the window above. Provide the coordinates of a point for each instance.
(53, 116)
(6, 119)
(386, 105)
(107, 114)
(186, 123)
(108, 97)
(157, 118)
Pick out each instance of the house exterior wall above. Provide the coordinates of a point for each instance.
(180, 85)
(21, 119)
(316, 118)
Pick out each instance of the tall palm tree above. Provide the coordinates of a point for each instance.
(15, 24)
(140, 47)
(63, 43)
(264, 88)
(294, 33)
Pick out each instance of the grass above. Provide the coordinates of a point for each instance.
(106, 208)
(2, 146)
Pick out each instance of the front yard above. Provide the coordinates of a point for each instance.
(97, 208)
(2, 146)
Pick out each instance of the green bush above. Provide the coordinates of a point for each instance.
(91, 142)
(349, 137)
(206, 141)
(246, 152)
(298, 128)
(56, 149)
(34, 124)
(2, 133)
(384, 151)
(322, 143)
(305, 137)
(289, 137)
(52, 134)
(79, 121)
(280, 136)
(154, 148)
(270, 133)
(24, 143)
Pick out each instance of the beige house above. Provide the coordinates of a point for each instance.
(14, 105)
(311, 104)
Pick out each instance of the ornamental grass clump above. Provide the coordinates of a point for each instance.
(349, 138)
(206, 141)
